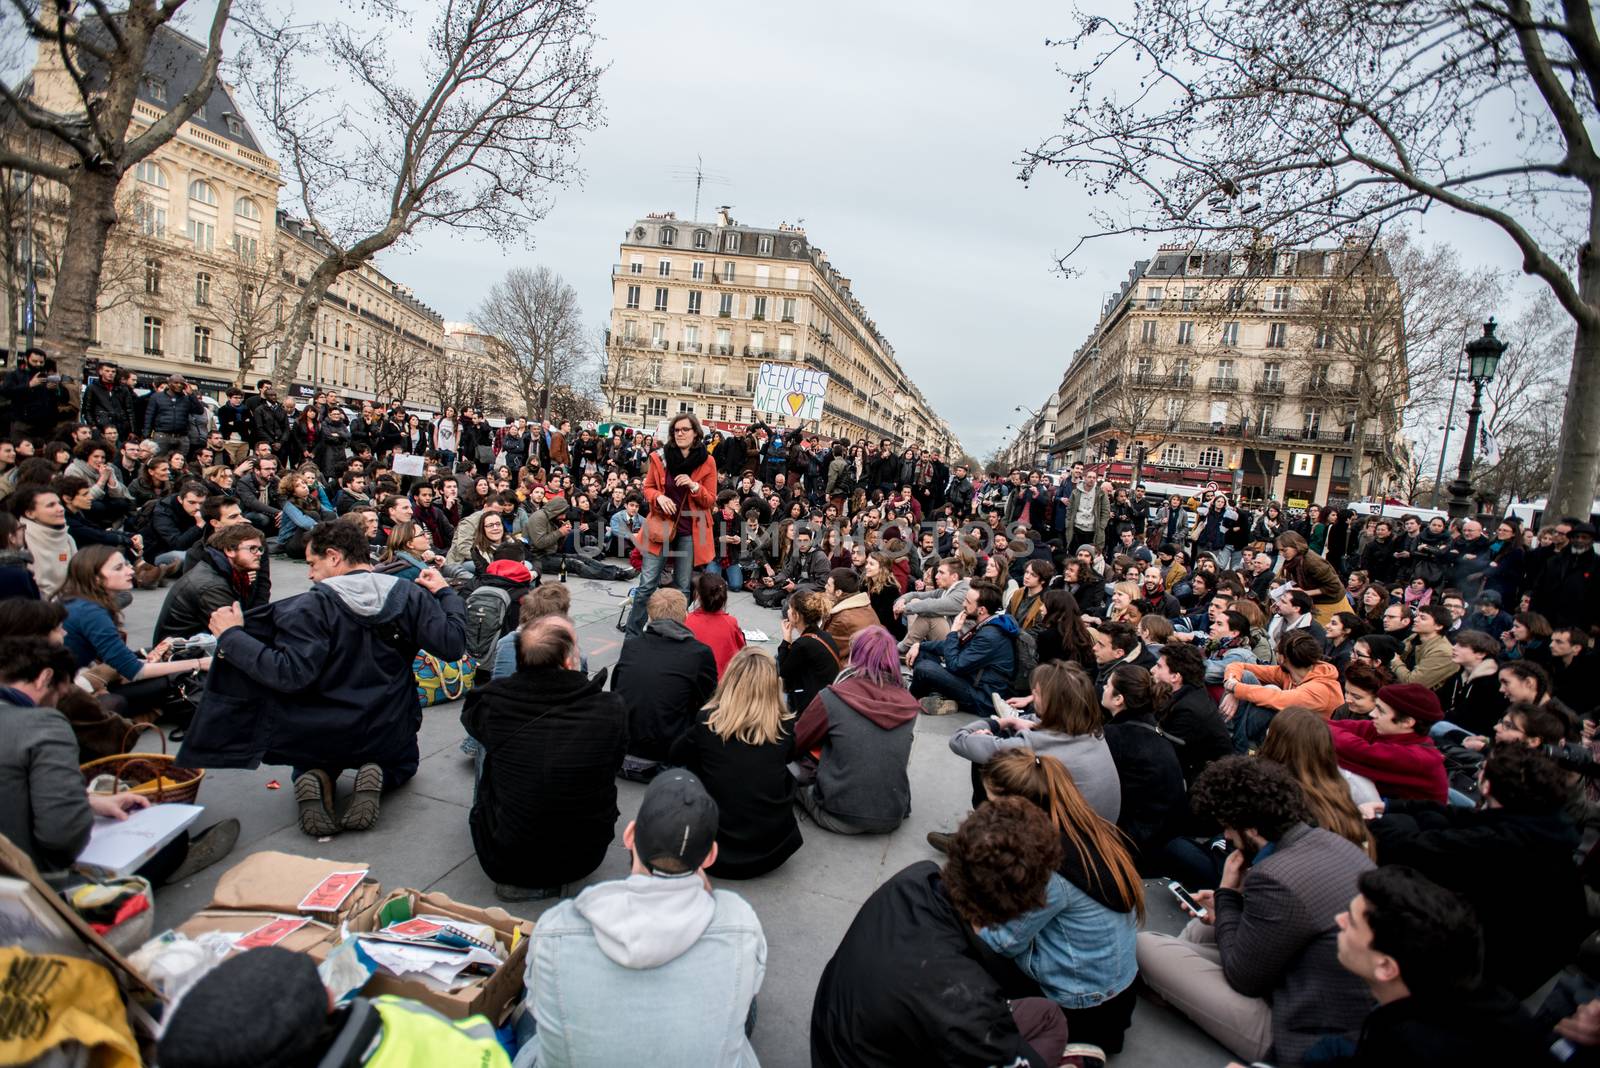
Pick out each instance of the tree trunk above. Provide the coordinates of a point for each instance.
(292, 338)
(1572, 490)
(1358, 439)
(91, 212)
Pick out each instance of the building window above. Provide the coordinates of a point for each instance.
(1175, 409)
(694, 302)
(1318, 378)
(633, 296)
(1277, 335)
(691, 338)
(1186, 333)
(669, 236)
(1341, 467)
(235, 126)
(152, 277)
(1173, 456)
(1180, 369)
(786, 345)
(685, 407)
(738, 413)
(750, 381)
(1235, 298)
(202, 344)
(1153, 295)
(203, 235)
(725, 305)
(730, 242)
(155, 89)
(202, 288)
(656, 407)
(655, 373)
(1143, 368)
(1147, 331)
(702, 239)
(1313, 421)
(627, 405)
(664, 268)
(758, 343)
(245, 208)
(688, 376)
(203, 192)
(727, 270)
(1225, 370)
(1324, 339)
(152, 335)
(1271, 373)
(152, 219)
(1363, 335)
(724, 342)
(788, 309)
(1191, 295)
(1230, 335)
(1280, 297)
(1265, 418)
(761, 309)
(636, 266)
(245, 246)
(1210, 456)
(150, 174)
(1328, 299)
(661, 298)
(698, 270)
(765, 246)
(658, 335)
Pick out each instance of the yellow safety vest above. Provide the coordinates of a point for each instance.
(415, 1036)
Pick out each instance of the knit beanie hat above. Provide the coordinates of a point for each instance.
(1411, 701)
(263, 1006)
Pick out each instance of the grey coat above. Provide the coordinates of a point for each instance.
(1086, 756)
(938, 602)
(43, 807)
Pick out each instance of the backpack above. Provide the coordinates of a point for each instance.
(487, 607)
(1025, 651)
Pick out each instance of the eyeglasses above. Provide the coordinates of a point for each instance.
(251, 548)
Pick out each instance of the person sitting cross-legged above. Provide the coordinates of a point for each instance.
(975, 659)
(1257, 692)
(665, 675)
(227, 573)
(658, 964)
(552, 740)
(1259, 970)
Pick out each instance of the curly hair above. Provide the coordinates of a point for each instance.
(1249, 793)
(1524, 780)
(1000, 861)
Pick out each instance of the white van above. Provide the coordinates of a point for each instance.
(1532, 513)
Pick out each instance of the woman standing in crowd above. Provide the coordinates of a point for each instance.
(680, 490)
(740, 747)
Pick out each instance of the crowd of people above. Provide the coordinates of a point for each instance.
(1360, 747)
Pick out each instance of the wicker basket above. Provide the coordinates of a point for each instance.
(155, 775)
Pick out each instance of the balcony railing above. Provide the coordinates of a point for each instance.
(1224, 384)
(690, 346)
(1270, 385)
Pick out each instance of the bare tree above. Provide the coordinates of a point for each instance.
(1131, 395)
(249, 297)
(72, 121)
(1224, 120)
(532, 318)
(456, 385)
(397, 365)
(474, 137)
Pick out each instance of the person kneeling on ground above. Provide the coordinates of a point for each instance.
(960, 672)
(664, 676)
(322, 681)
(854, 740)
(546, 804)
(1258, 971)
(268, 1006)
(659, 963)
(966, 1004)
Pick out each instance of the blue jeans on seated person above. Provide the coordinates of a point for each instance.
(1250, 721)
(733, 573)
(928, 676)
(174, 556)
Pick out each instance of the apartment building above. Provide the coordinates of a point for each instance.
(1242, 369)
(1033, 439)
(698, 307)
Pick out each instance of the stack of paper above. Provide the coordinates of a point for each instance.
(751, 634)
(120, 846)
(439, 967)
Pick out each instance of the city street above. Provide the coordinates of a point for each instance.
(422, 842)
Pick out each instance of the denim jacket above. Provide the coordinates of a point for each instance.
(1080, 952)
(644, 966)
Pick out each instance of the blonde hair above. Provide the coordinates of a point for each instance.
(1124, 615)
(748, 703)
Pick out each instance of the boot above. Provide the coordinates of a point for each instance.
(147, 576)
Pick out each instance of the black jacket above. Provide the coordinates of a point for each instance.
(170, 528)
(167, 413)
(269, 423)
(552, 740)
(1153, 792)
(754, 792)
(1567, 588)
(912, 984)
(806, 665)
(231, 421)
(1502, 863)
(664, 677)
(112, 406)
(204, 588)
(1487, 1027)
(1191, 717)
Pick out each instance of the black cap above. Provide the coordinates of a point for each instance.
(676, 826)
(262, 1006)
(1582, 528)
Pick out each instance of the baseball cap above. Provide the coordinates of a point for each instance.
(676, 825)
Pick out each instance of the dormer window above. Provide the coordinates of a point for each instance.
(669, 236)
(156, 89)
(730, 242)
(702, 239)
(235, 126)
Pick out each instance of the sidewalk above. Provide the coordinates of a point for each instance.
(421, 841)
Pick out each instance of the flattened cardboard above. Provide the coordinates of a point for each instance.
(494, 996)
(269, 881)
(228, 922)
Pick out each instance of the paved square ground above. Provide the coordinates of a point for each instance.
(422, 842)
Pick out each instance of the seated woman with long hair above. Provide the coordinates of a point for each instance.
(1064, 721)
(856, 733)
(1063, 635)
(1079, 947)
(94, 631)
(883, 591)
(740, 749)
(1298, 738)
(408, 551)
(492, 542)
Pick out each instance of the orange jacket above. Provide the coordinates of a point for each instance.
(1319, 691)
(658, 526)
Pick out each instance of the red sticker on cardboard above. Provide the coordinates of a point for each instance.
(329, 894)
(270, 934)
(415, 928)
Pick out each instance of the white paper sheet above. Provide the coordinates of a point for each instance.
(120, 846)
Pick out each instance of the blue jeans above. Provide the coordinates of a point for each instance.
(733, 573)
(1250, 721)
(928, 676)
(173, 556)
(681, 552)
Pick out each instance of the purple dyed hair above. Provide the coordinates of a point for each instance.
(873, 654)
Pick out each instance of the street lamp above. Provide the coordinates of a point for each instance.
(1483, 358)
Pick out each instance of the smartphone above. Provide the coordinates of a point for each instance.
(1186, 899)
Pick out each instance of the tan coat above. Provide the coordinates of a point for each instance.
(851, 615)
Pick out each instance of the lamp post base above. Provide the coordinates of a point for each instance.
(1461, 504)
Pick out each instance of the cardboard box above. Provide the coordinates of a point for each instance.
(227, 921)
(269, 881)
(493, 996)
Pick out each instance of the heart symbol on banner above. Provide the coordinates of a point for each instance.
(796, 401)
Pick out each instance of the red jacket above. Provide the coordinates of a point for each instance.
(720, 632)
(1402, 766)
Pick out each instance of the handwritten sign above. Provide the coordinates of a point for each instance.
(790, 392)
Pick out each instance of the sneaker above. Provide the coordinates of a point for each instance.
(1082, 1055)
(940, 840)
(509, 892)
(206, 848)
(470, 746)
(934, 705)
(363, 811)
(313, 791)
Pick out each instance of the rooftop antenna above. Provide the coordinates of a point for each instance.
(700, 177)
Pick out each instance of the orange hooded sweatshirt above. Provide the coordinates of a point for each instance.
(1319, 691)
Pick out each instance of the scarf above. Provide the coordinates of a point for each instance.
(679, 464)
(1218, 646)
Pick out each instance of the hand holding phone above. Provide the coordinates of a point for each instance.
(1191, 903)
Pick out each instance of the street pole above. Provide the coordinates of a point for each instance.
(1461, 488)
(1444, 447)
